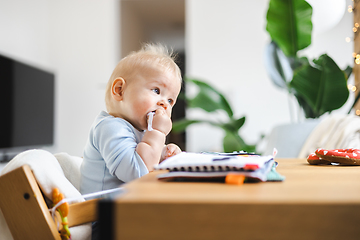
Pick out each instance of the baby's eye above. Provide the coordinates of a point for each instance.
(171, 102)
(156, 90)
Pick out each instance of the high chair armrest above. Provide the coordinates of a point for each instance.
(26, 213)
(24, 207)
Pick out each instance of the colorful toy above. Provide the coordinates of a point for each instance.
(63, 210)
(350, 156)
(236, 179)
(314, 159)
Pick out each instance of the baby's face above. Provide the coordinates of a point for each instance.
(147, 92)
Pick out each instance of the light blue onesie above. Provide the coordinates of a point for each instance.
(110, 158)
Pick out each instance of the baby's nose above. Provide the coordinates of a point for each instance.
(163, 104)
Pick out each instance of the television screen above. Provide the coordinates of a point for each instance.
(26, 105)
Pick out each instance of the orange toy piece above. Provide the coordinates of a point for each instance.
(63, 210)
(236, 179)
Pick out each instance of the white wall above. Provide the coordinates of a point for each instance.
(225, 43)
(79, 41)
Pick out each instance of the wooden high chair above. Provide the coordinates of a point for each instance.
(26, 212)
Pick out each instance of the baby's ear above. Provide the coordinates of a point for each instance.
(117, 89)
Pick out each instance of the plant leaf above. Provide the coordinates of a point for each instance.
(233, 142)
(277, 65)
(347, 71)
(289, 24)
(233, 125)
(308, 111)
(209, 99)
(181, 125)
(323, 86)
(239, 122)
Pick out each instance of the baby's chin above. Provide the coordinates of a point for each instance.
(143, 125)
(139, 126)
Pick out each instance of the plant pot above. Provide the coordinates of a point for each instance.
(288, 139)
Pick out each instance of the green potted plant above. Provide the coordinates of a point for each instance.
(212, 101)
(319, 85)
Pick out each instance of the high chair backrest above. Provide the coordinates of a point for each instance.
(26, 212)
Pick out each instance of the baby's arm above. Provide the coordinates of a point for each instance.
(151, 146)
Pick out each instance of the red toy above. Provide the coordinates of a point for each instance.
(350, 156)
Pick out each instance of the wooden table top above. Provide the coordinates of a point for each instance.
(313, 202)
(304, 184)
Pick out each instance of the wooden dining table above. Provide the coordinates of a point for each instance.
(313, 202)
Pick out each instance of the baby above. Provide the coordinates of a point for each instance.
(120, 147)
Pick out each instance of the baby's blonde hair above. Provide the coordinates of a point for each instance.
(150, 55)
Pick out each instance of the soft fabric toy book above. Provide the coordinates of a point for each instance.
(187, 166)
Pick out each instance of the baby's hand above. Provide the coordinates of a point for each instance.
(162, 121)
(169, 151)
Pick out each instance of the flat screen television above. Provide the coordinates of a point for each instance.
(26, 106)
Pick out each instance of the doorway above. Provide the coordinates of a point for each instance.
(156, 21)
